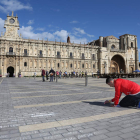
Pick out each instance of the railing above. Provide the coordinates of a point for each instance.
(71, 57)
(25, 54)
(83, 57)
(11, 53)
(58, 56)
(40, 55)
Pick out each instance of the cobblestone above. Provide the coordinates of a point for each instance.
(35, 92)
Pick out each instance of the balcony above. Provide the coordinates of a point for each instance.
(71, 57)
(40, 55)
(83, 57)
(25, 54)
(58, 56)
(11, 53)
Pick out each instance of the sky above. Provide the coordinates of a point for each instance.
(83, 20)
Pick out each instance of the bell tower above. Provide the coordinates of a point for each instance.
(12, 27)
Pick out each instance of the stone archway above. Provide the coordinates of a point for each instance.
(117, 64)
(11, 71)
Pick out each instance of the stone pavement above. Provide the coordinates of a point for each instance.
(66, 110)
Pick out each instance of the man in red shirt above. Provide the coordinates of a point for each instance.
(129, 88)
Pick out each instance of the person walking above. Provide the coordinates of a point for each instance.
(60, 73)
(47, 74)
(43, 74)
(52, 73)
(129, 88)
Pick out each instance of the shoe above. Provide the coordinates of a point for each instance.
(138, 105)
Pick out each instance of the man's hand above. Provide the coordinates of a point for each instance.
(107, 102)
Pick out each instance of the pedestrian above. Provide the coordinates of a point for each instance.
(47, 74)
(52, 73)
(43, 74)
(98, 74)
(60, 73)
(129, 88)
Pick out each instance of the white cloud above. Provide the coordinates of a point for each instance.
(74, 21)
(40, 29)
(13, 5)
(90, 35)
(30, 22)
(78, 30)
(28, 32)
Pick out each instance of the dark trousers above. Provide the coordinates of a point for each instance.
(51, 78)
(43, 78)
(47, 77)
(130, 100)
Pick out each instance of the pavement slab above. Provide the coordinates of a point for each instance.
(63, 110)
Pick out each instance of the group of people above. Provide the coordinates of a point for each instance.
(52, 74)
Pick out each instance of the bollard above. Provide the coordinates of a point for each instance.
(56, 79)
(86, 80)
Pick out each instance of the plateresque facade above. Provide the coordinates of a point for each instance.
(107, 54)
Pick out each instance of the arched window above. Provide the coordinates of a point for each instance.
(82, 65)
(94, 66)
(71, 65)
(10, 49)
(113, 47)
(25, 64)
(132, 44)
(58, 65)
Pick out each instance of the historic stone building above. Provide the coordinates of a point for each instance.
(108, 54)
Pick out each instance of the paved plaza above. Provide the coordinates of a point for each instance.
(66, 110)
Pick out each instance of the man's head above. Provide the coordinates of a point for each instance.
(110, 82)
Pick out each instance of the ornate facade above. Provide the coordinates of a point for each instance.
(107, 54)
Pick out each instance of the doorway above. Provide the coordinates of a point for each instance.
(11, 71)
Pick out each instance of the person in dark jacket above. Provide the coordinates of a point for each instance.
(47, 74)
(52, 73)
(43, 74)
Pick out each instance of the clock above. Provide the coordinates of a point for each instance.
(11, 20)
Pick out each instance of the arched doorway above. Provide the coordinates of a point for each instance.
(117, 64)
(11, 71)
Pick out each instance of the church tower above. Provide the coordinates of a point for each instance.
(12, 27)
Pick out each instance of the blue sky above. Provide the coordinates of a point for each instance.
(83, 20)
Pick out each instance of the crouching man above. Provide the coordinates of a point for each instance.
(129, 88)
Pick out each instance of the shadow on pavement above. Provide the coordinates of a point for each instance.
(97, 103)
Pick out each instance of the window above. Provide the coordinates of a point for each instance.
(58, 54)
(71, 55)
(40, 52)
(25, 51)
(93, 56)
(10, 49)
(83, 57)
(94, 66)
(25, 64)
(71, 65)
(113, 47)
(131, 44)
(82, 65)
(58, 65)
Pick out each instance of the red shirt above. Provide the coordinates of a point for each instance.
(124, 86)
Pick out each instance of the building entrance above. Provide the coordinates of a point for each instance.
(11, 71)
(117, 64)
